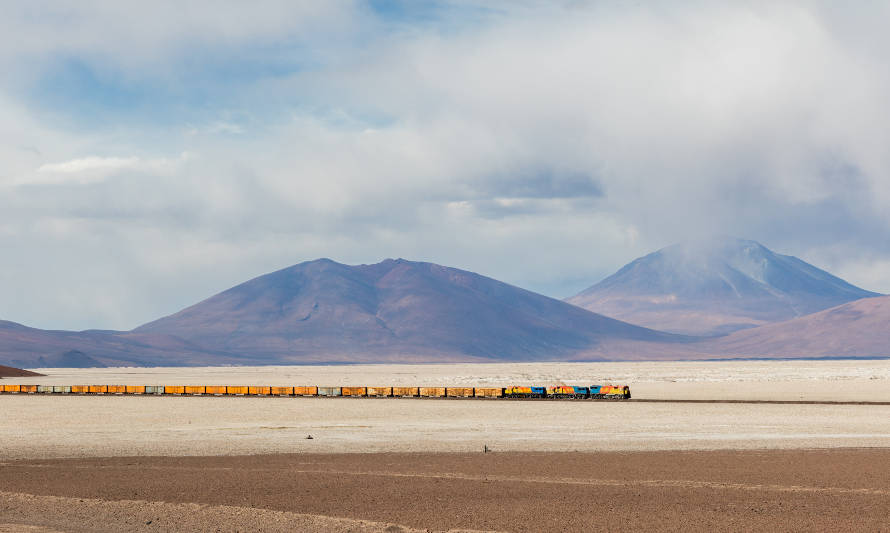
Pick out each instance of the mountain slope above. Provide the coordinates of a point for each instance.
(394, 310)
(715, 286)
(856, 329)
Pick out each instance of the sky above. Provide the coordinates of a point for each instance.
(155, 153)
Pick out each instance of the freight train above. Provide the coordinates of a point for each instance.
(592, 392)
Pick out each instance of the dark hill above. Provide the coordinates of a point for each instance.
(9, 372)
(715, 286)
(397, 310)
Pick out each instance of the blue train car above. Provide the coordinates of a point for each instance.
(525, 392)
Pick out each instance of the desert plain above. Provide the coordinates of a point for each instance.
(101, 463)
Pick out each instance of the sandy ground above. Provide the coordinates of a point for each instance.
(799, 490)
(741, 380)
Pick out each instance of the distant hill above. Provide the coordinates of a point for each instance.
(397, 310)
(714, 287)
(9, 372)
(36, 348)
(856, 329)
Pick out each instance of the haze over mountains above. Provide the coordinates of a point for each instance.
(715, 286)
(404, 311)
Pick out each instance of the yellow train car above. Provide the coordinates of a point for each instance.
(488, 392)
(432, 392)
(237, 391)
(259, 391)
(11, 388)
(306, 391)
(28, 388)
(197, 390)
(98, 389)
(380, 392)
(459, 392)
(406, 392)
(80, 389)
(282, 391)
(117, 389)
(135, 389)
(216, 390)
(174, 389)
(354, 391)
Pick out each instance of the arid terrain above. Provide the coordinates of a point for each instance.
(792, 490)
(99, 463)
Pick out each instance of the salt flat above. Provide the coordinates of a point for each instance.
(84, 426)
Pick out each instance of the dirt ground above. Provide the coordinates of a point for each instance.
(777, 490)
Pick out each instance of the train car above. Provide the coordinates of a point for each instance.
(379, 392)
(195, 390)
(30, 389)
(459, 392)
(281, 391)
(306, 391)
(215, 390)
(11, 388)
(45, 389)
(62, 389)
(237, 391)
(488, 392)
(432, 392)
(97, 389)
(154, 389)
(116, 389)
(174, 389)
(567, 391)
(525, 392)
(610, 392)
(80, 389)
(135, 389)
(329, 391)
(259, 391)
(406, 392)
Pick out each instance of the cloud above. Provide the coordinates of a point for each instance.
(545, 144)
(90, 164)
(93, 169)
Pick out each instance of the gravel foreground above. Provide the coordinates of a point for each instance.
(777, 490)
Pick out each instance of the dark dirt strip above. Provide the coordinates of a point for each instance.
(797, 490)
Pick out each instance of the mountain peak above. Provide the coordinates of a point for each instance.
(715, 285)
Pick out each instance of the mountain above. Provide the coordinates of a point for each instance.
(9, 372)
(397, 310)
(714, 287)
(856, 329)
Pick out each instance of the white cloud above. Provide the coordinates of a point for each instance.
(94, 169)
(91, 163)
